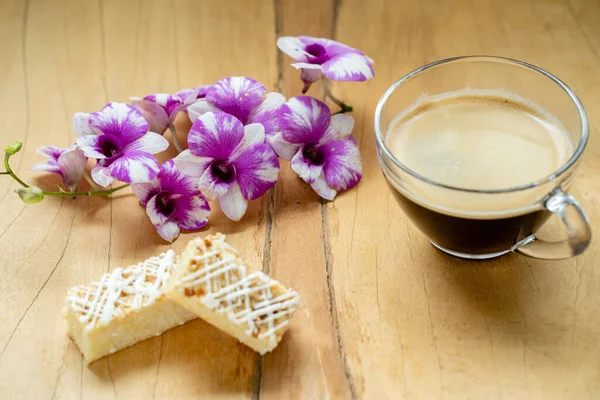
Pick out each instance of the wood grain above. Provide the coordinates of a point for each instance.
(386, 315)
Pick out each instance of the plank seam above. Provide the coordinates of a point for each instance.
(327, 253)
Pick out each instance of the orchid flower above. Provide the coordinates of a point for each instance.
(317, 57)
(230, 161)
(245, 99)
(172, 202)
(161, 109)
(319, 145)
(118, 137)
(69, 163)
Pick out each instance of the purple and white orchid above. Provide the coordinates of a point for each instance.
(318, 57)
(118, 137)
(173, 202)
(245, 99)
(69, 163)
(230, 161)
(319, 145)
(161, 109)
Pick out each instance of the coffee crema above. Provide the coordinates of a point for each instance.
(479, 140)
(476, 140)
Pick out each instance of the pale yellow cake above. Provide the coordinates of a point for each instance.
(123, 308)
(211, 281)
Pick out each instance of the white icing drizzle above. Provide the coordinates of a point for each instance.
(124, 288)
(246, 299)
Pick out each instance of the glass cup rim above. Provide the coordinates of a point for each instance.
(584, 131)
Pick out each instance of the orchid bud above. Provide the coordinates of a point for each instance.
(30, 195)
(13, 148)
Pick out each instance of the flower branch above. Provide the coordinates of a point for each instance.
(238, 131)
(344, 107)
(33, 194)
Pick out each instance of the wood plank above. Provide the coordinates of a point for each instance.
(307, 364)
(49, 238)
(444, 327)
(123, 51)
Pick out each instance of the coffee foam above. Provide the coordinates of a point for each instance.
(476, 139)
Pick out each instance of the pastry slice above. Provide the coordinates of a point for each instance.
(123, 308)
(211, 281)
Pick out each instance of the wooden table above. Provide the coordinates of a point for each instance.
(386, 316)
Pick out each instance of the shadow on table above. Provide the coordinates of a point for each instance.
(193, 359)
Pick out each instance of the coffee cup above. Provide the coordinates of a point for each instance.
(480, 151)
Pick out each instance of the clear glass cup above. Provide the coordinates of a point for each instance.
(489, 230)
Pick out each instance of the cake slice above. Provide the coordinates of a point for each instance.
(211, 281)
(123, 308)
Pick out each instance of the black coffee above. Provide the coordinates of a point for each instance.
(475, 140)
(471, 236)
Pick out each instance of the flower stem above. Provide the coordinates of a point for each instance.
(10, 171)
(89, 180)
(106, 192)
(175, 139)
(344, 107)
(4, 173)
(90, 193)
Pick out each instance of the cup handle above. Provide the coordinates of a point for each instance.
(576, 223)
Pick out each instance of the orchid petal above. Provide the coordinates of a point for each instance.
(305, 65)
(211, 186)
(343, 166)
(233, 203)
(170, 103)
(154, 113)
(134, 166)
(200, 107)
(101, 176)
(256, 169)
(253, 134)
(174, 181)
(309, 76)
(341, 125)
(47, 167)
(284, 149)
(90, 145)
(267, 113)
(156, 216)
(146, 190)
(82, 125)
(50, 151)
(121, 120)
(237, 96)
(293, 47)
(305, 168)
(303, 119)
(168, 231)
(192, 165)
(332, 47)
(188, 96)
(151, 143)
(309, 73)
(72, 166)
(348, 67)
(322, 189)
(191, 212)
(215, 134)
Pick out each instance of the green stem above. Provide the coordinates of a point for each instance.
(90, 181)
(90, 193)
(175, 139)
(10, 171)
(344, 107)
(4, 173)
(106, 192)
